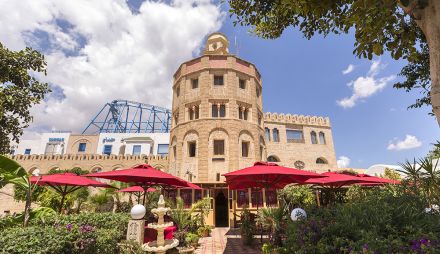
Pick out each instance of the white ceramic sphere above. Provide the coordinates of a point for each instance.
(137, 212)
(298, 214)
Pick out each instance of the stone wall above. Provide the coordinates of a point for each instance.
(90, 162)
(205, 129)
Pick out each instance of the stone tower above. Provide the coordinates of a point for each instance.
(217, 123)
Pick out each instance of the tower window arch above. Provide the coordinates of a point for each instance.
(273, 158)
(321, 160)
(321, 138)
(313, 137)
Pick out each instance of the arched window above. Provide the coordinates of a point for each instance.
(273, 158)
(276, 135)
(322, 138)
(96, 169)
(267, 133)
(321, 161)
(313, 137)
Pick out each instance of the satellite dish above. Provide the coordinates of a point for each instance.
(298, 214)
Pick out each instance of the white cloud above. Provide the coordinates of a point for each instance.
(349, 69)
(410, 142)
(366, 86)
(343, 162)
(98, 51)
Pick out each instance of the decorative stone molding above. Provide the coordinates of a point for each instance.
(297, 119)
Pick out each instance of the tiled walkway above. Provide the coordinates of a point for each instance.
(224, 240)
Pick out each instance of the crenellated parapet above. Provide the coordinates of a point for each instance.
(79, 157)
(297, 119)
(89, 162)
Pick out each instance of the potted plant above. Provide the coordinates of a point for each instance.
(204, 231)
(247, 227)
(192, 240)
(182, 218)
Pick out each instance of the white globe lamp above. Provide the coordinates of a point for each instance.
(137, 212)
(298, 214)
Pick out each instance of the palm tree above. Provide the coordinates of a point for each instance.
(272, 219)
(13, 173)
(424, 178)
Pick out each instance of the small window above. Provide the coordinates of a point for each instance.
(322, 138)
(276, 135)
(194, 83)
(321, 161)
(295, 136)
(214, 110)
(258, 92)
(242, 83)
(218, 80)
(107, 149)
(217, 177)
(136, 150)
(82, 147)
(267, 133)
(245, 149)
(176, 119)
(193, 112)
(192, 149)
(27, 151)
(178, 91)
(222, 110)
(219, 147)
(313, 137)
(242, 113)
(162, 149)
(174, 152)
(259, 119)
(242, 198)
(218, 110)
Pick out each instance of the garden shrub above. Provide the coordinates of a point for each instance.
(100, 220)
(38, 240)
(380, 222)
(67, 234)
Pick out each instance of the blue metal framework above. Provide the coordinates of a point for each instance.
(121, 116)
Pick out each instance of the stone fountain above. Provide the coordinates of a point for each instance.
(161, 245)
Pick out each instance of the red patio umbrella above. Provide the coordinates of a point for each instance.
(136, 189)
(376, 181)
(143, 175)
(66, 183)
(267, 175)
(192, 186)
(336, 180)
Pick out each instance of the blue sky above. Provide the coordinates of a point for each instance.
(305, 77)
(102, 50)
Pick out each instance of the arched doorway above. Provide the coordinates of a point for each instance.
(221, 210)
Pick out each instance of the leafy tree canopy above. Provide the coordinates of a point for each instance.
(19, 91)
(407, 29)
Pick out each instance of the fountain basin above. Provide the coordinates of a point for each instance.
(152, 246)
(160, 210)
(160, 226)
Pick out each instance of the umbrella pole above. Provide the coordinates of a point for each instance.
(145, 193)
(63, 195)
(317, 198)
(258, 202)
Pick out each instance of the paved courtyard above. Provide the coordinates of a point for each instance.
(225, 240)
